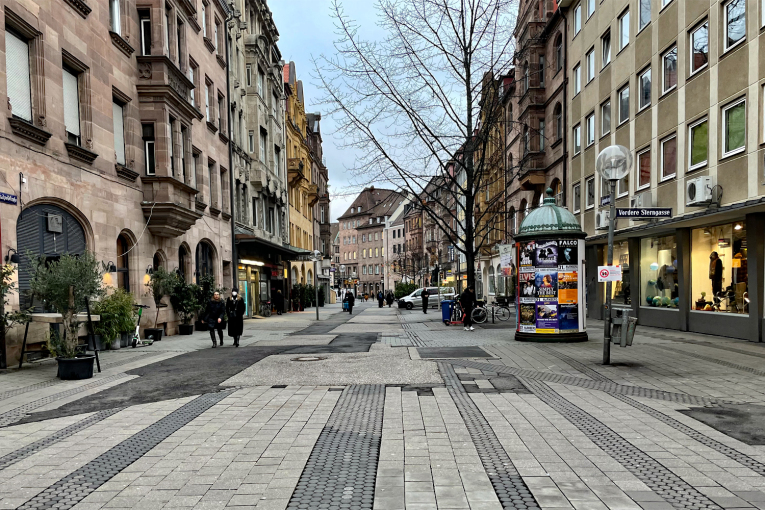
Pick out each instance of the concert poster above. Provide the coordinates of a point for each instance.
(547, 316)
(546, 283)
(568, 291)
(568, 318)
(546, 254)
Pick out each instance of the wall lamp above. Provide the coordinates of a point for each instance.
(110, 267)
(149, 270)
(14, 259)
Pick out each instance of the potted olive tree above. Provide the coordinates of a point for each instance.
(158, 287)
(183, 297)
(65, 284)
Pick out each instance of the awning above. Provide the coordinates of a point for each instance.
(288, 252)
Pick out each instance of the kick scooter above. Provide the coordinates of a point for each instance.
(136, 335)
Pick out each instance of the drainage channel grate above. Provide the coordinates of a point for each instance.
(32, 448)
(511, 490)
(731, 453)
(74, 487)
(673, 489)
(342, 467)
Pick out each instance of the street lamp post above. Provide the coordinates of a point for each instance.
(316, 257)
(613, 164)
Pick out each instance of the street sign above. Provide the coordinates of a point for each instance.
(9, 199)
(644, 212)
(605, 200)
(609, 273)
(332, 269)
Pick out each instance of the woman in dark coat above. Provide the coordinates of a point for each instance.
(216, 317)
(235, 312)
(351, 300)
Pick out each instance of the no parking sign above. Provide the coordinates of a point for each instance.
(609, 273)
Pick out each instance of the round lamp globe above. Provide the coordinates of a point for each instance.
(614, 162)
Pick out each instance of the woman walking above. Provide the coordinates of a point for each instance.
(235, 313)
(216, 317)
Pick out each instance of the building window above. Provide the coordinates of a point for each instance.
(644, 84)
(577, 198)
(251, 142)
(148, 147)
(541, 70)
(734, 23)
(577, 19)
(558, 113)
(144, 20)
(624, 30)
(18, 81)
(193, 71)
(221, 113)
(590, 58)
(645, 14)
(658, 273)
(590, 122)
(123, 262)
(700, 48)
(605, 118)
(590, 8)
(605, 42)
(734, 128)
(263, 143)
(261, 79)
(668, 157)
(208, 101)
(171, 145)
(558, 53)
(577, 79)
(624, 104)
(204, 20)
(71, 106)
(669, 70)
(719, 268)
(248, 75)
(541, 135)
(644, 168)
(119, 131)
(698, 144)
(590, 197)
(577, 139)
(114, 16)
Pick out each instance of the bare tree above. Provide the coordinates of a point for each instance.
(422, 102)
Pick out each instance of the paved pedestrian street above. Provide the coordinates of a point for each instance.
(390, 409)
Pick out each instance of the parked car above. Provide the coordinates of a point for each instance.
(414, 300)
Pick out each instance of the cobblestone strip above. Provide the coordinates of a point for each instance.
(600, 385)
(342, 467)
(731, 453)
(20, 412)
(710, 359)
(722, 347)
(511, 490)
(658, 478)
(30, 449)
(74, 487)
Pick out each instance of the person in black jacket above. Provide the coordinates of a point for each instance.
(380, 298)
(235, 312)
(389, 298)
(216, 317)
(468, 302)
(425, 295)
(351, 300)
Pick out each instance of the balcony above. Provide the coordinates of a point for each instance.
(534, 97)
(295, 171)
(531, 173)
(170, 206)
(313, 194)
(160, 80)
(258, 175)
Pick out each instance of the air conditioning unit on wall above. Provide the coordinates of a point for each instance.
(601, 219)
(644, 199)
(698, 191)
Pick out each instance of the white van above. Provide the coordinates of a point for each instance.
(414, 300)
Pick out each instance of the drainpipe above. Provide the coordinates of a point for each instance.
(234, 258)
(565, 108)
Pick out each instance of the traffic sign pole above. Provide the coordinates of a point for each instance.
(609, 262)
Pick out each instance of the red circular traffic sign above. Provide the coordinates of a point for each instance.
(604, 273)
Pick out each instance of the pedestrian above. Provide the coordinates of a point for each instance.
(216, 317)
(389, 298)
(380, 298)
(279, 302)
(351, 301)
(425, 295)
(235, 312)
(468, 302)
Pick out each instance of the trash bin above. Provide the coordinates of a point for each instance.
(446, 310)
(623, 326)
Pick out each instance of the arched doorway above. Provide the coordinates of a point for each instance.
(205, 260)
(123, 262)
(184, 261)
(49, 231)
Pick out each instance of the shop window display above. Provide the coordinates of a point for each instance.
(620, 291)
(719, 269)
(658, 272)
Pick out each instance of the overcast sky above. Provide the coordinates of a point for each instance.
(306, 30)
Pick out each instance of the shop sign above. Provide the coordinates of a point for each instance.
(609, 273)
(506, 255)
(276, 273)
(649, 213)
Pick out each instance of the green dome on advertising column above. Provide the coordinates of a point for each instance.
(549, 220)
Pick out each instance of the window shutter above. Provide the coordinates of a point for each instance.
(19, 92)
(119, 133)
(71, 104)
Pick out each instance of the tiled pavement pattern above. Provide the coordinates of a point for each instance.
(26, 451)
(343, 464)
(73, 488)
(508, 483)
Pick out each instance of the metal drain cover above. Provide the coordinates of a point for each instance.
(308, 358)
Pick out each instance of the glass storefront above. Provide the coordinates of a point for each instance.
(719, 268)
(620, 291)
(658, 272)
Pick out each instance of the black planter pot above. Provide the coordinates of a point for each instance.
(95, 341)
(125, 339)
(185, 329)
(200, 326)
(155, 333)
(73, 369)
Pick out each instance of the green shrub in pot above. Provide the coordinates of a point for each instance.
(183, 297)
(10, 318)
(116, 315)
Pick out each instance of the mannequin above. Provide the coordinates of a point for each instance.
(715, 272)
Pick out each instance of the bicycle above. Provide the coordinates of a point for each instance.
(265, 309)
